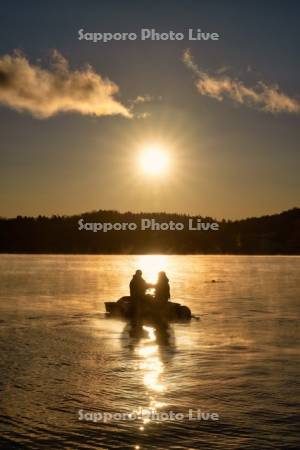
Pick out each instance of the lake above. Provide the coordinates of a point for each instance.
(64, 364)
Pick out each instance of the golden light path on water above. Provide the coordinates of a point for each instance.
(151, 368)
(151, 364)
(149, 348)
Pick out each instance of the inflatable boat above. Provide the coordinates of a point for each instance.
(150, 310)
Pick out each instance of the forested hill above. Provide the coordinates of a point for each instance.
(274, 234)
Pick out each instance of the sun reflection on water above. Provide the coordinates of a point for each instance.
(151, 265)
(151, 364)
(152, 368)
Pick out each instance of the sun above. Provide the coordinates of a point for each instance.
(154, 160)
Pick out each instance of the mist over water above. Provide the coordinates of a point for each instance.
(59, 354)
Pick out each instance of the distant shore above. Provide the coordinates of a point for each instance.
(277, 234)
(149, 254)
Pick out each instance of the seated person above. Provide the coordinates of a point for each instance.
(138, 285)
(162, 288)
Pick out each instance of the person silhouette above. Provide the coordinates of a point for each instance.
(137, 287)
(162, 288)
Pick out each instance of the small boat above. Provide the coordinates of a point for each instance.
(151, 310)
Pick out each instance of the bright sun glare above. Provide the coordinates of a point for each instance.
(154, 160)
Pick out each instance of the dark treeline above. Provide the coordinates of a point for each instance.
(275, 234)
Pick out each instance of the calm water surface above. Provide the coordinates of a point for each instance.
(59, 354)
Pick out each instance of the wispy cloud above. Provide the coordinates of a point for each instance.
(264, 97)
(142, 99)
(46, 92)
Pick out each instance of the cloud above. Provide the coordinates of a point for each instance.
(142, 99)
(140, 102)
(46, 92)
(264, 97)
